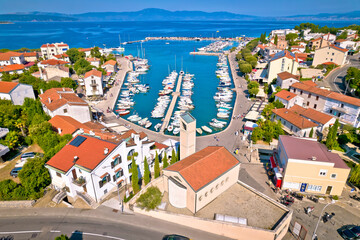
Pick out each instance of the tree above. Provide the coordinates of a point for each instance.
(150, 199)
(68, 83)
(178, 153)
(134, 176)
(257, 134)
(173, 157)
(146, 172)
(276, 39)
(355, 175)
(75, 55)
(331, 142)
(253, 91)
(156, 167)
(343, 35)
(165, 161)
(291, 37)
(95, 52)
(62, 237)
(12, 139)
(311, 133)
(82, 66)
(245, 67)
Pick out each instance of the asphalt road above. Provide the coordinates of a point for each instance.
(78, 224)
(336, 79)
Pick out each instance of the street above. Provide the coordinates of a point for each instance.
(102, 223)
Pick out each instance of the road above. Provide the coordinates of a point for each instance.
(336, 79)
(101, 223)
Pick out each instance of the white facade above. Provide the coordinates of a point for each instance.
(346, 113)
(349, 32)
(48, 50)
(94, 85)
(113, 171)
(347, 44)
(18, 94)
(282, 32)
(80, 113)
(290, 103)
(12, 59)
(286, 83)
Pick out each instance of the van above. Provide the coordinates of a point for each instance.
(27, 156)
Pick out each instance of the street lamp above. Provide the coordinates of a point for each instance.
(314, 236)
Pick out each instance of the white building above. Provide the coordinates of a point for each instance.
(110, 66)
(347, 44)
(91, 168)
(11, 69)
(94, 61)
(9, 58)
(283, 61)
(16, 92)
(289, 99)
(349, 32)
(329, 37)
(64, 102)
(94, 83)
(282, 32)
(286, 79)
(48, 50)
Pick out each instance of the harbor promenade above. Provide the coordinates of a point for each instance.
(205, 53)
(170, 110)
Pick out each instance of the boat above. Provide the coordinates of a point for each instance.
(123, 112)
(199, 131)
(222, 115)
(206, 129)
(216, 125)
(148, 124)
(176, 130)
(157, 126)
(170, 128)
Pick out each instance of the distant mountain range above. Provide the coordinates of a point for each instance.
(155, 14)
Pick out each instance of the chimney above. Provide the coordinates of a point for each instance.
(41, 91)
(60, 96)
(75, 159)
(49, 99)
(59, 130)
(106, 151)
(313, 158)
(63, 89)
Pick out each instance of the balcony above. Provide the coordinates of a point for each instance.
(339, 109)
(93, 85)
(80, 181)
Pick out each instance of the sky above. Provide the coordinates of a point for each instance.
(258, 7)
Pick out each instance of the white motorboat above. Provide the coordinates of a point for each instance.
(176, 130)
(148, 124)
(170, 128)
(157, 126)
(222, 115)
(206, 129)
(199, 131)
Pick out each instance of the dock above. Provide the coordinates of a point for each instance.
(170, 110)
(205, 53)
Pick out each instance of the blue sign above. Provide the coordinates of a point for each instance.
(303, 187)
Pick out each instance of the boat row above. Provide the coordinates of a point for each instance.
(141, 65)
(135, 118)
(217, 46)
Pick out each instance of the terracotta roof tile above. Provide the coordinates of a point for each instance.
(93, 72)
(110, 62)
(309, 83)
(59, 97)
(94, 59)
(160, 145)
(30, 54)
(311, 114)
(7, 87)
(53, 62)
(286, 75)
(85, 49)
(142, 135)
(286, 95)
(90, 153)
(203, 167)
(12, 67)
(47, 45)
(293, 118)
(7, 55)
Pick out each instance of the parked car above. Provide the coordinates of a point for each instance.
(27, 155)
(175, 237)
(350, 232)
(15, 172)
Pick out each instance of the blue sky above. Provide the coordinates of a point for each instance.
(257, 7)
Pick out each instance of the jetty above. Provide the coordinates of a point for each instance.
(206, 53)
(191, 39)
(170, 110)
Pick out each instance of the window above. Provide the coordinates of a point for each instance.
(217, 186)
(342, 105)
(93, 82)
(131, 154)
(331, 59)
(333, 175)
(65, 110)
(206, 194)
(309, 96)
(211, 190)
(314, 188)
(119, 174)
(331, 111)
(58, 174)
(323, 172)
(315, 106)
(116, 162)
(332, 54)
(308, 103)
(105, 191)
(339, 114)
(105, 180)
(294, 90)
(301, 92)
(317, 98)
(200, 198)
(130, 166)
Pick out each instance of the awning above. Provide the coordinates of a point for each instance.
(120, 181)
(272, 162)
(117, 155)
(104, 175)
(117, 170)
(252, 115)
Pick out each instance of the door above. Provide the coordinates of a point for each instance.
(84, 187)
(74, 174)
(303, 187)
(328, 190)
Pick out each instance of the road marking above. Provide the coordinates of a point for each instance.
(20, 232)
(97, 235)
(334, 82)
(55, 231)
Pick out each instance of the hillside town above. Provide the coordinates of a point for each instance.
(290, 149)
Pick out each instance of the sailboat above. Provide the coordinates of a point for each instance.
(120, 48)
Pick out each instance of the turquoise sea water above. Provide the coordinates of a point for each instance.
(161, 58)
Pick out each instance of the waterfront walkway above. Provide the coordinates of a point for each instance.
(170, 110)
(205, 53)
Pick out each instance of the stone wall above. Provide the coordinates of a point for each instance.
(16, 204)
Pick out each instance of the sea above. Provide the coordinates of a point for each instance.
(163, 56)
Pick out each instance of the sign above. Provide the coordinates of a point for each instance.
(296, 229)
(303, 187)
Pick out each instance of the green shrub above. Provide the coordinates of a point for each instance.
(150, 199)
(335, 197)
(126, 199)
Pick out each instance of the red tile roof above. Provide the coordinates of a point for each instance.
(329, 63)
(7, 87)
(59, 97)
(294, 148)
(7, 55)
(338, 48)
(12, 67)
(261, 46)
(311, 114)
(310, 83)
(287, 75)
(64, 55)
(85, 49)
(341, 40)
(205, 166)
(63, 45)
(94, 59)
(110, 62)
(326, 93)
(286, 95)
(293, 118)
(30, 54)
(47, 45)
(53, 62)
(93, 72)
(160, 145)
(90, 153)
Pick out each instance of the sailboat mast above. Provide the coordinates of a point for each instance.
(175, 63)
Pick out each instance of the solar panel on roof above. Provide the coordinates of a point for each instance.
(77, 141)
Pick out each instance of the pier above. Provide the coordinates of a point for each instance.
(170, 110)
(205, 53)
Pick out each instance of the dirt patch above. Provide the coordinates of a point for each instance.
(79, 203)
(46, 201)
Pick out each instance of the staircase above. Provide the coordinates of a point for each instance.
(59, 197)
(87, 199)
